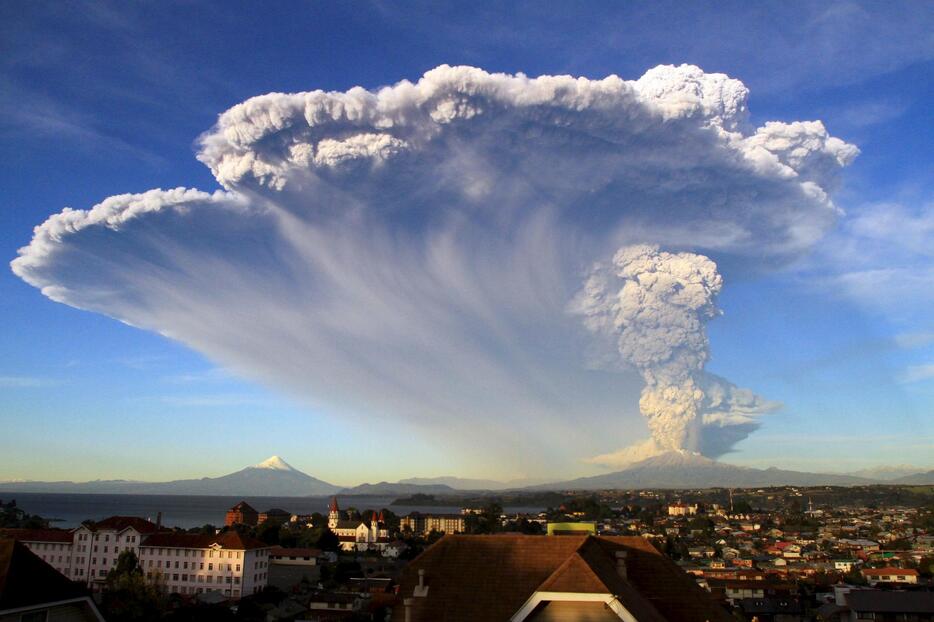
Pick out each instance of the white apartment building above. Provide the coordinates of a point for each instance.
(53, 546)
(88, 552)
(231, 563)
(97, 546)
(426, 523)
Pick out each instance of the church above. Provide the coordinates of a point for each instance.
(356, 535)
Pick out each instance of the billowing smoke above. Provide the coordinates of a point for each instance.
(655, 305)
(410, 253)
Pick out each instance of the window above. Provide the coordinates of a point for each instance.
(210, 566)
(238, 567)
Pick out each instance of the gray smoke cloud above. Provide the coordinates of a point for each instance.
(655, 305)
(409, 253)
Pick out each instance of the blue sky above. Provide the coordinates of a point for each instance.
(100, 99)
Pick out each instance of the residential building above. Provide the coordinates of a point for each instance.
(424, 524)
(96, 546)
(243, 514)
(890, 575)
(274, 514)
(884, 605)
(294, 556)
(87, 553)
(231, 563)
(53, 546)
(499, 578)
(682, 509)
(31, 589)
(357, 535)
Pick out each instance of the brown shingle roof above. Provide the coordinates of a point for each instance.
(27, 580)
(227, 540)
(119, 523)
(491, 577)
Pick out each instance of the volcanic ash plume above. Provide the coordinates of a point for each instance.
(407, 254)
(656, 305)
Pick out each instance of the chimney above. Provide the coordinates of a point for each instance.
(407, 603)
(421, 590)
(621, 563)
(158, 521)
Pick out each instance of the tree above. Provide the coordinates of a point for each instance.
(128, 595)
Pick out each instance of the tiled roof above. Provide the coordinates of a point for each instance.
(878, 601)
(227, 540)
(119, 523)
(911, 572)
(491, 577)
(27, 580)
(64, 536)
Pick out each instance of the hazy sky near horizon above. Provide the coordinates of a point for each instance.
(826, 318)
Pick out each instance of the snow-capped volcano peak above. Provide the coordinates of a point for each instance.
(275, 463)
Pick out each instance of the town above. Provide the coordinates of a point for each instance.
(772, 554)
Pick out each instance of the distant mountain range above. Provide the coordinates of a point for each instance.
(461, 483)
(677, 469)
(918, 479)
(271, 478)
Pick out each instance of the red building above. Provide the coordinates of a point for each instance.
(242, 513)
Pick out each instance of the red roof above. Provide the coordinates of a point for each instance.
(227, 540)
(491, 577)
(39, 535)
(333, 506)
(119, 523)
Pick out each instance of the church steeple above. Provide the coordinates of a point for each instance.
(334, 514)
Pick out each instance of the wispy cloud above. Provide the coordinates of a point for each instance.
(918, 373)
(26, 382)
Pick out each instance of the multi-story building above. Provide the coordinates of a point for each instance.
(426, 523)
(243, 514)
(88, 553)
(890, 575)
(53, 546)
(357, 535)
(96, 546)
(682, 509)
(184, 563)
(231, 563)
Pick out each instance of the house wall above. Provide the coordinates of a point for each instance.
(566, 611)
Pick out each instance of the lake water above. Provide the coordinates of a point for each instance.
(68, 510)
